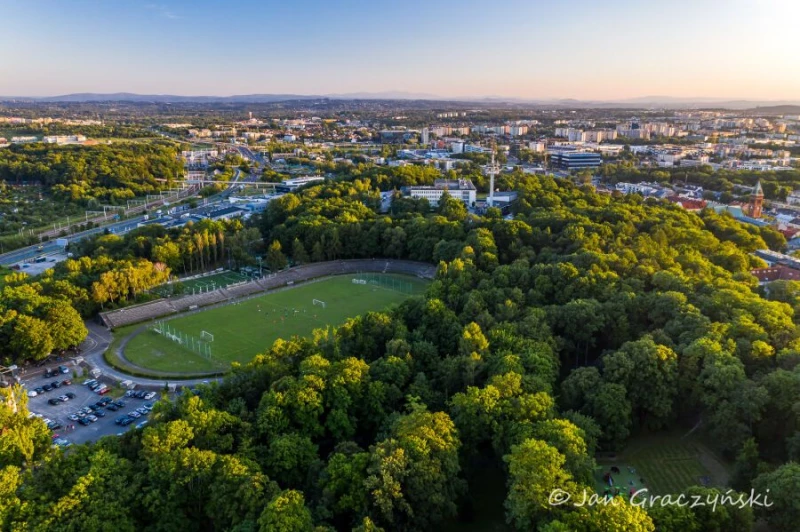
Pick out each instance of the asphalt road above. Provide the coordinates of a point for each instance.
(30, 252)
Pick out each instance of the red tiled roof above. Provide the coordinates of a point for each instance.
(688, 203)
(776, 273)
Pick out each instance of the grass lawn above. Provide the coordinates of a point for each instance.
(207, 283)
(668, 463)
(243, 329)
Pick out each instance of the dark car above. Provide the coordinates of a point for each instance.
(113, 407)
(127, 421)
(104, 401)
(83, 421)
(56, 426)
(54, 401)
(120, 419)
(55, 384)
(47, 387)
(120, 403)
(99, 413)
(39, 390)
(140, 394)
(99, 404)
(49, 373)
(70, 395)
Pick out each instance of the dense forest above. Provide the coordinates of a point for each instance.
(109, 173)
(584, 321)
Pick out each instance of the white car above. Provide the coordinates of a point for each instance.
(149, 395)
(134, 414)
(32, 393)
(63, 398)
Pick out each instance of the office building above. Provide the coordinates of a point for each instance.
(461, 189)
(575, 160)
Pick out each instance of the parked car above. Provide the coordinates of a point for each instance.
(63, 398)
(112, 407)
(129, 393)
(32, 393)
(83, 421)
(141, 425)
(149, 395)
(50, 373)
(55, 384)
(63, 369)
(134, 414)
(91, 418)
(54, 401)
(148, 406)
(89, 382)
(39, 390)
(140, 394)
(103, 391)
(66, 382)
(120, 403)
(120, 419)
(86, 410)
(127, 421)
(104, 401)
(47, 387)
(73, 417)
(143, 411)
(70, 395)
(99, 413)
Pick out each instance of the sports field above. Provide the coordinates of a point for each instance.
(663, 464)
(201, 284)
(242, 329)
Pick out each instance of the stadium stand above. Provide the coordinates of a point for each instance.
(164, 307)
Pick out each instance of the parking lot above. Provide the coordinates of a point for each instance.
(83, 397)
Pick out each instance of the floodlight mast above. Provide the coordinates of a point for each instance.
(492, 169)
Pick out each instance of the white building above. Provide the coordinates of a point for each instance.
(461, 189)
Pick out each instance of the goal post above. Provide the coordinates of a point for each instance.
(316, 302)
(207, 336)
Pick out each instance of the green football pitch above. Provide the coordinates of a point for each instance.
(243, 329)
(200, 284)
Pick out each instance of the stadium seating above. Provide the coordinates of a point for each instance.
(164, 307)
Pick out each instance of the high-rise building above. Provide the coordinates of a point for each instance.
(426, 135)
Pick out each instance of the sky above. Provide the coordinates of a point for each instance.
(584, 49)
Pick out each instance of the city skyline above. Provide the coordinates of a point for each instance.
(585, 50)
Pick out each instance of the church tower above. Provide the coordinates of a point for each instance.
(756, 200)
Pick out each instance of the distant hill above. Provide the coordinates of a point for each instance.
(776, 110)
(644, 102)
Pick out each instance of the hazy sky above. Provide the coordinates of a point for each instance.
(522, 48)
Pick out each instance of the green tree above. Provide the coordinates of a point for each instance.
(276, 260)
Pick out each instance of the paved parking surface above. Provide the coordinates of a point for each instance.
(104, 426)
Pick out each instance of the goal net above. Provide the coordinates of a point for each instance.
(316, 302)
(207, 336)
(198, 346)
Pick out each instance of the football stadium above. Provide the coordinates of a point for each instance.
(209, 340)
